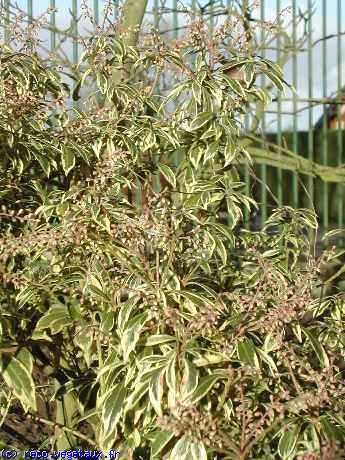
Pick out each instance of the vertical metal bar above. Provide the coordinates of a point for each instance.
(310, 95)
(155, 14)
(175, 19)
(157, 179)
(324, 127)
(75, 30)
(75, 50)
(7, 21)
(175, 34)
(229, 4)
(211, 17)
(294, 82)
(246, 181)
(96, 11)
(139, 194)
(193, 6)
(53, 25)
(30, 11)
(340, 188)
(279, 114)
(246, 127)
(263, 168)
(116, 8)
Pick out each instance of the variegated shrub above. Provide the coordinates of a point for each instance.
(143, 321)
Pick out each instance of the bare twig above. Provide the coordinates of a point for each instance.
(75, 433)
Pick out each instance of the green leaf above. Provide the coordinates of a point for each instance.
(25, 357)
(235, 85)
(75, 94)
(168, 174)
(194, 298)
(17, 376)
(112, 406)
(247, 354)
(44, 163)
(67, 160)
(270, 343)
(25, 295)
(223, 230)
(108, 321)
(131, 334)
(97, 147)
(276, 80)
(216, 98)
(170, 375)
(190, 378)
(181, 450)
(94, 284)
(159, 439)
(268, 360)
(297, 330)
(135, 396)
(195, 155)
(288, 441)
(159, 339)
(211, 151)
(56, 319)
(174, 93)
(196, 89)
(200, 120)
(124, 313)
(210, 357)
(221, 250)
(188, 449)
(85, 341)
(198, 451)
(105, 223)
(230, 151)
(156, 390)
(317, 347)
(333, 432)
(204, 387)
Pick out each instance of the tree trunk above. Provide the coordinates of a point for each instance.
(131, 20)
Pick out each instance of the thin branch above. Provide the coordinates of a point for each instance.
(75, 433)
(327, 37)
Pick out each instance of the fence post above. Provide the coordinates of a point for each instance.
(53, 25)
(294, 82)
(324, 200)
(263, 168)
(279, 114)
(310, 95)
(340, 187)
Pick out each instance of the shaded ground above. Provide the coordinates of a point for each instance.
(22, 433)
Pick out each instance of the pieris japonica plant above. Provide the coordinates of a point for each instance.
(144, 322)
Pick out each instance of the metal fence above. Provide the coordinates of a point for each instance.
(311, 50)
